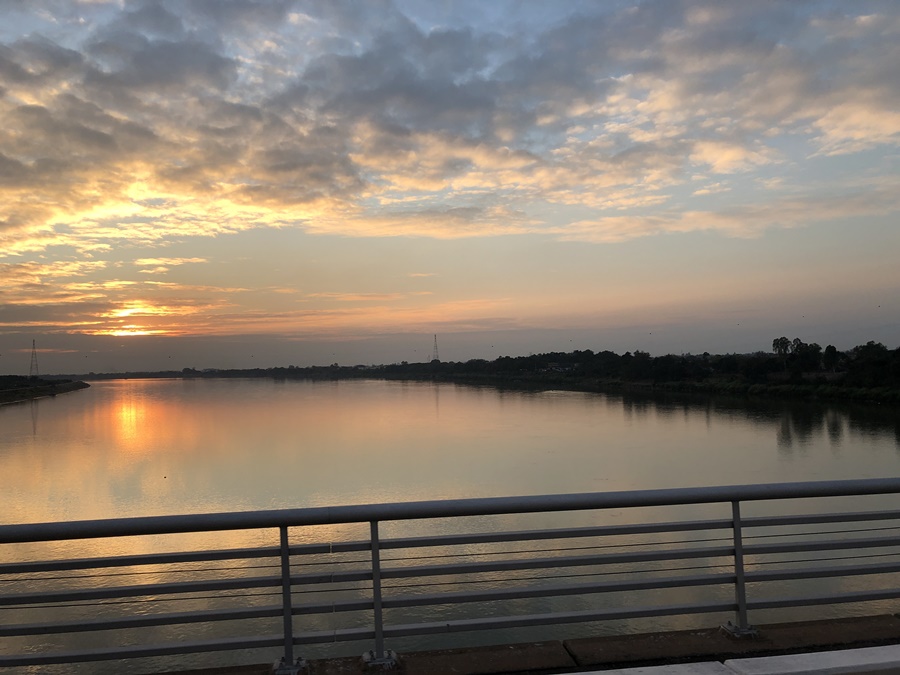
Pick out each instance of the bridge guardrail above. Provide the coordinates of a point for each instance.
(286, 594)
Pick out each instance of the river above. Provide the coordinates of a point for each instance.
(149, 447)
(144, 447)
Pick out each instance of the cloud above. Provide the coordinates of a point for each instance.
(163, 265)
(440, 223)
(356, 297)
(748, 220)
(155, 123)
(712, 189)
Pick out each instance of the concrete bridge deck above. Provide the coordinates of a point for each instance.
(855, 645)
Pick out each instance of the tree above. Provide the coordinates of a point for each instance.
(781, 346)
(830, 357)
(809, 357)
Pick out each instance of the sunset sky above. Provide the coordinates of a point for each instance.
(238, 183)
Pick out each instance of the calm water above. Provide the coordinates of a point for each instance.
(148, 447)
(143, 447)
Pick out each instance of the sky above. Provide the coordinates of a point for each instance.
(249, 183)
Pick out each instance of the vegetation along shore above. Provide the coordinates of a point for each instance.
(869, 372)
(15, 388)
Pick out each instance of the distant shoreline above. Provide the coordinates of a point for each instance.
(868, 373)
(44, 389)
(806, 391)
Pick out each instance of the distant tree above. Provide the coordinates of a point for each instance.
(782, 346)
(639, 366)
(869, 365)
(870, 351)
(830, 357)
(727, 364)
(809, 357)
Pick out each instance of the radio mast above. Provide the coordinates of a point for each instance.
(434, 352)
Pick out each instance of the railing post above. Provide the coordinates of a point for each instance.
(378, 657)
(743, 628)
(287, 666)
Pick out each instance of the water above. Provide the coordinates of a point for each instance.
(149, 447)
(144, 447)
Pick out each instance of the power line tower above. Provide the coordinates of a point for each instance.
(434, 352)
(33, 369)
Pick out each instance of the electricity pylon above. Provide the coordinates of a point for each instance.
(33, 369)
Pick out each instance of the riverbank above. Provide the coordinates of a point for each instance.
(27, 391)
(548, 381)
(806, 390)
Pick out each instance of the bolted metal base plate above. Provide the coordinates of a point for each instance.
(297, 668)
(388, 661)
(734, 631)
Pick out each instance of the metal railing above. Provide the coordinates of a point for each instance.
(376, 588)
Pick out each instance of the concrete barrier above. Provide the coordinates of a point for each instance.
(881, 660)
(705, 668)
(870, 660)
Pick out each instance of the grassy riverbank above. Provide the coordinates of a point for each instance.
(14, 389)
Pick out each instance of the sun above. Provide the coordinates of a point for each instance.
(138, 308)
(133, 310)
(130, 331)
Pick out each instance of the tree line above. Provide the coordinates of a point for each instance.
(870, 371)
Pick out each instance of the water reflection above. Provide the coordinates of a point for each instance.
(795, 423)
(148, 447)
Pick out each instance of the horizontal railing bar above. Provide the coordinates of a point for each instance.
(443, 540)
(558, 590)
(337, 635)
(331, 547)
(821, 572)
(837, 599)
(125, 622)
(329, 515)
(458, 625)
(178, 557)
(432, 628)
(359, 634)
(333, 607)
(137, 560)
(315, 578)
(121, 623)
(180, 588)
(364, 605)
(140, 651)
(556, 561)
(828, 545)
(819, 518)
(582, 616)
(561, 533)
(138, 591)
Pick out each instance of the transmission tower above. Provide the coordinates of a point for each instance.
(434, 352)
(33, 370)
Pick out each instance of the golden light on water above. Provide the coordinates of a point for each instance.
(129, 416)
